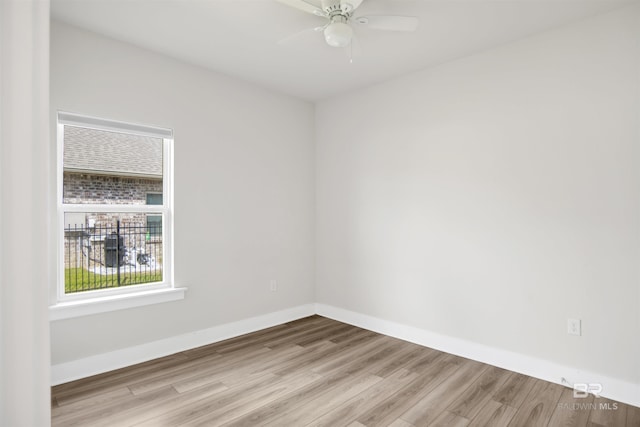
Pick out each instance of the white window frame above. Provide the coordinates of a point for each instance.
(103, 300)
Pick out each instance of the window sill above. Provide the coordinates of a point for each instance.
(71, 309)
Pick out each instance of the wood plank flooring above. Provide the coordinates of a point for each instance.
(319, 372)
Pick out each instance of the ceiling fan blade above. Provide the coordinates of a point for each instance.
(303, 6)
(299, 34)
(352, 4)
(388, 23)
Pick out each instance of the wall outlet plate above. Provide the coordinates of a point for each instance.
(574, 327)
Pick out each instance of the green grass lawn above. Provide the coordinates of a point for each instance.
(79, 279)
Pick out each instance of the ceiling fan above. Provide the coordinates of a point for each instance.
(338, 31)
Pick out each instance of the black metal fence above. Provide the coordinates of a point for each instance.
(112, 255)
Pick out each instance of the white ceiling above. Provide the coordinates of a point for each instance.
(240, 37)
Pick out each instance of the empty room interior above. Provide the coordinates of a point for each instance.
(320, 212)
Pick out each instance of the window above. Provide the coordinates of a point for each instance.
(114, 208)
(154, 222)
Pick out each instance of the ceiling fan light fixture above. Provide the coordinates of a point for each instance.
(338, 34)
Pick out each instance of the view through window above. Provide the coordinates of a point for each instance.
(113, 206)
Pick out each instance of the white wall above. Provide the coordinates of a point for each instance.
(491, 198)
(25, 398)
(244, 184)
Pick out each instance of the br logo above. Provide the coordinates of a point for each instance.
(580, 390)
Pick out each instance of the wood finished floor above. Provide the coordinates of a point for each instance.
(319, 372)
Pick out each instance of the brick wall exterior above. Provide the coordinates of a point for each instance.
(82, 188)
(85, 246)
(87, 188)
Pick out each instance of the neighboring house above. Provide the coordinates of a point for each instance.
(114, 168)
(102, 167)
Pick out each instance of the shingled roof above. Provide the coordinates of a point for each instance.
(111, 153)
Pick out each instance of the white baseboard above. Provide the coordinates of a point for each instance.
(82, 368)
(612, 388)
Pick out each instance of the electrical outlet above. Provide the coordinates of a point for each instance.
(273, 285)
(573, 327)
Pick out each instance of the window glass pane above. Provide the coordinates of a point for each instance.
(154, 225)
(109, 250)
(154, 199)
(103, 167)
